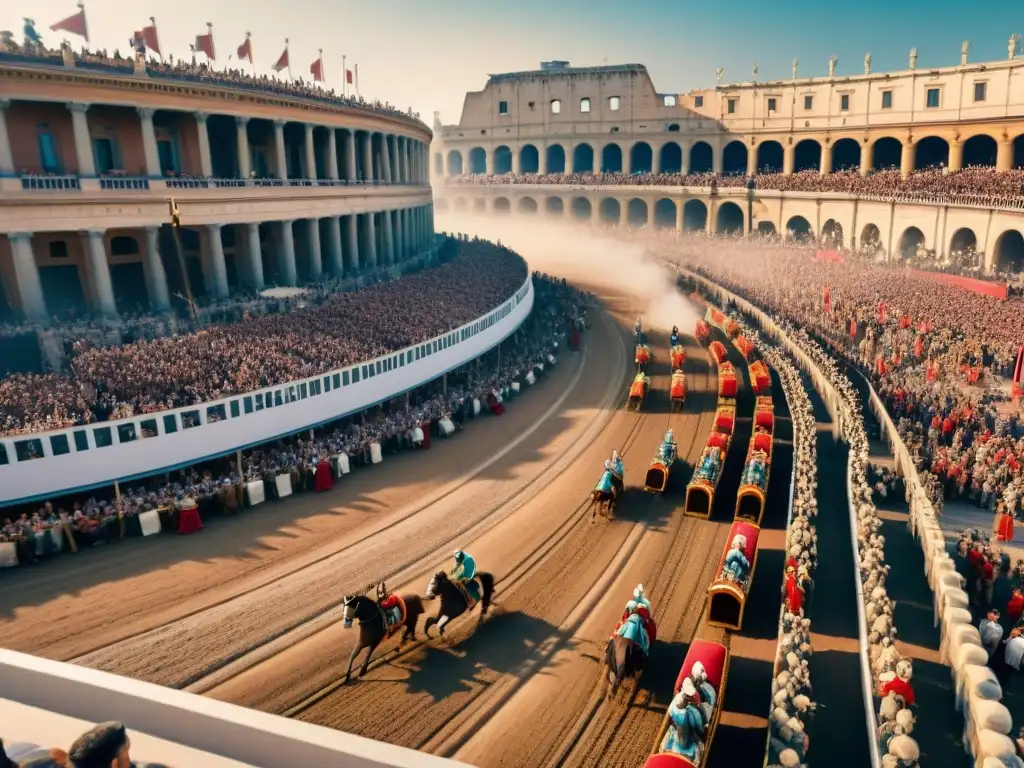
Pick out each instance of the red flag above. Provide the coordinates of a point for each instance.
(348, 76)
(828, 299)
(245, 50)
(204, 44)
(74, 24)
(148, 36)
(316, 69)
(282, 63)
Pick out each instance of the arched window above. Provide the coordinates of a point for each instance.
(556, 107)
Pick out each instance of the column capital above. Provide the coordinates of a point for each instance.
(279, 123)
(201, 116)
(78, 107)
(94, 233)
(287, 222)
(146, 113)
(241, 120)
(5, 103)
(152, 231)
(214, 227)
(308, 127)
(12, 236)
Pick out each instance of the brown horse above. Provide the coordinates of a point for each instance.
(453, 601)
(624, 659)
(373, 625)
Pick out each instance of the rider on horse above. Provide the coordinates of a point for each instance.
(617, 466)
(389, 605)
(464, 572)
(637, 623)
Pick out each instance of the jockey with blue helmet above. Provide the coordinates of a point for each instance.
(464, 572)
(637, 623)
(617, 465)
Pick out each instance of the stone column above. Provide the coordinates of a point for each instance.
(655, 159)
(684, 157)
(100, 273)
(280, 155)
(316, 263)
(410, 232)
(907, 159)
(310, 152)
(489, 162)
(83, 142)
(385, 158)
(368, 157)
(627, 156)
(752, 161)
(650, 214)
(332, 154)
(156, 276)
(370, 241)
(335, 261)
(623, 214)
(289, 274)
(352, 240)
(956, 155)
(350, 156)
(244, 153)
(407, 174)
(218, 269)
(680, 208)
(153, 169)
(717, 155)
(542, 158)
(205, 159)
(6, 155)
(709, 225)
(30, 288)
(788, 159)
(389, 238)
(826, 158)
(1004, 156)
(516, 160)
(867, 159)
(254, 255)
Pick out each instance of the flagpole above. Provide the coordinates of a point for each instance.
(344, 77)
(209, 31)
(152, 20)
(357, 82)
(85, 24)
(289, 60)
(320, 58)
(252, 59)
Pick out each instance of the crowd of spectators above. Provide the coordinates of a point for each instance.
(191, 70)
(979, 185)
(222, 359)
(106, 745)
(220, 487)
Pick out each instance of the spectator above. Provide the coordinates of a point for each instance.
(991, 632)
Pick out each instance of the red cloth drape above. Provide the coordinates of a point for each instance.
(189, 521)
(324, 478)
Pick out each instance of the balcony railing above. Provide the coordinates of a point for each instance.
(36, 182)
(142, 183)
(124, 182)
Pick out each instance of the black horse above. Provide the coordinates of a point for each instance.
(624, 659)
(373, 624)
(453, 601)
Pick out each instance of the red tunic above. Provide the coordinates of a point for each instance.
(794, 595)
(900, 687)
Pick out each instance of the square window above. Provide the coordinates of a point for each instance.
(844, 102)
(235, 410)
(337, 380)
(28, 450)
(247, 404)
(886, 99)
(355, 375)
(614, 103)
(190, 419)
(103, 437)
(502, 107)
(556, 107)
(584, 104)
(125, 433)
(980, 91)
(147, 428)
(58, 249)
(327, 383)
(259, 401)
(59, 445)
(170, 424)
(731, 106)
(698, 101)
(808, 102)
(669, 101)
(81, 440)
(216, 413)
(3, 455)
(303, 391)
(932, 98)
(771, 105)
(344, 378)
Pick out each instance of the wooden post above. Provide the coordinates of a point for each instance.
(68, 533)
(117, 506)
(444, 384)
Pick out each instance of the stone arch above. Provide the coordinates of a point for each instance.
(870, 236)
(441, 205)
(529, 159)
(911, 239)
(611, 158)
(980, 150)
(555, 206)
(461, 204)
(583, 158)
(438, 164)
(479, 204)
(582, 210)
(556, 158)
(610, 210)
(846, 155)
(887, 153)
(695, 216)
(766, 229)
(671, 157)
(931, 152)
(807, 156)
(454, 163)
(769, 157)
(832, 234)
(527, 205)
(734, 158)
(729, 219)
(502, 160)
(963, 240)
(1009, 251)
(636, 212)
(1018, 152)
(665, 213)
(478, 160)
(799, 228)
(701, 158)
(641, 158)
(502, 205)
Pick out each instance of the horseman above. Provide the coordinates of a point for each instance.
(617, 466)
(389, 605)
(637, 623)
(464, 572)
(673, 340)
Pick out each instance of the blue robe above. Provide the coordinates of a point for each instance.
(673, 340)
(620, 470)
(604, 485)
(686, 731)
(738, 565)
(633, 629)
(464, 572)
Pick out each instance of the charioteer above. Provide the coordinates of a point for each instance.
(464, 572)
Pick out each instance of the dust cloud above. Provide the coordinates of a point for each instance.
(573, 252)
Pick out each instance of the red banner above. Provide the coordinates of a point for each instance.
(996, 290)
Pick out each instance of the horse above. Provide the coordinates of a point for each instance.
(372, 629)
(453, 601)
(624, 658)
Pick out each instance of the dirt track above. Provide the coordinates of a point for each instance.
(249, 611)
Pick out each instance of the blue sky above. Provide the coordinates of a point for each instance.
(428, 53)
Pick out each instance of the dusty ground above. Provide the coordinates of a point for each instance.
(249, 610)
